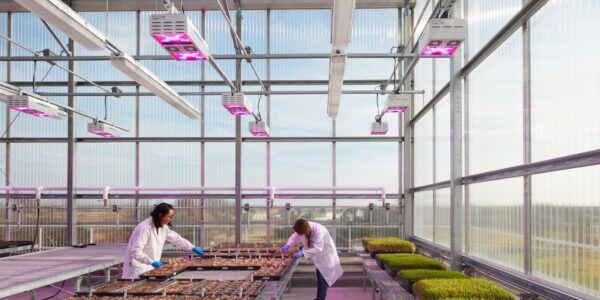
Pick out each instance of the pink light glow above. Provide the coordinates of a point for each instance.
(438, 51)
(237, 110)
(102, 133)
(188, 55)
(378, 132)
(259, 133)
(395, 109)
(31, 111)
(172, 39)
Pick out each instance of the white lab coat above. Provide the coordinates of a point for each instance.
(146, 246)
(322, 252)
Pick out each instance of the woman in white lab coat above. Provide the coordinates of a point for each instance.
(147, 240)
(320, 249)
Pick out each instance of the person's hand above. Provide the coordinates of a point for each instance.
(298, 254)
(285, 249)
(198, 251)
(157, 264)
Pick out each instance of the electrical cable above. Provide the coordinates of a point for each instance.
(57, 292)
(105, 107)
(258, 107)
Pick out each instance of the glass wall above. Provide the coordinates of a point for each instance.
(530, 100)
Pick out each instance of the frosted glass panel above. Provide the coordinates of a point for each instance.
(169, 164)
(442, 140)
(565, 98)
(566, 224)
(485, 18)
(496, 221)
(301, 164)
(423, 150)
(368, 164)
(423, 217)
(442, 217)
(496, 109)
(109, 164)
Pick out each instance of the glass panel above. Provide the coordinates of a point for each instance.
(368, 164)
(169, 164)
(423, 217)
(40, 164)
(566, 228)
(564, 93)
(485, 18)
(442, 217)
(301, 164)
(496, 221)
(423, 150)
(496, 109)
(220, 164)
(105, 164)
(442, 140)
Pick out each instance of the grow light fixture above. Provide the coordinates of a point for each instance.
(337, 64)
(396, 103)
(341, 29)
(259, 129)
(178, 35)
(34, 106)
(60, 15)
(103, 129)
(147, 79)
(236, 103)
(379, 128)
(442, 37)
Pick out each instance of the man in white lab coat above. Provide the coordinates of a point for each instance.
(320, 249)
(147, 240)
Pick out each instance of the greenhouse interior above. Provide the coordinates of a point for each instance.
(299, 149)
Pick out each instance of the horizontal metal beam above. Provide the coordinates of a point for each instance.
(204, 139)
(579, 160)
(128, 196)
(534, 285)
(585, 159)
(197, 83)
(216, 57)
(357, 92)
(433, 186)
(146, 5)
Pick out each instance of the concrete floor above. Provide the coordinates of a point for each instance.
(332, 294)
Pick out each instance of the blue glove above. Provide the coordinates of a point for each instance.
(198, 251)
(298, 254)
(157, 264)
(285, 249)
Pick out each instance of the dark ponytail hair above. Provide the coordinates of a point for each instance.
(160, 211)
(302, 227)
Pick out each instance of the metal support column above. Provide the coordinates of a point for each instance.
(400, 40)
(7, 211)
(238, 141)
(466, 138)
(138, 217)
(456, 158)
(408, 139)
(202, 144)
(527, 207)
(71, 157)
(268, 98)
(333, 181)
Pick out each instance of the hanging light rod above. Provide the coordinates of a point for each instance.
(273, 93)
(215, 56)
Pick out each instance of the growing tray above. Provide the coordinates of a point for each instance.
(392, 272)
(115, 292)
(163, 276)
(222, 268)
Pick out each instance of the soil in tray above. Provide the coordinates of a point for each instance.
(112, 286)
(146, 287)
(179, 287)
